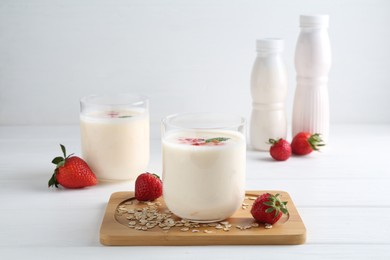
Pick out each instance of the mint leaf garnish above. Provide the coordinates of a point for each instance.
(217, 139)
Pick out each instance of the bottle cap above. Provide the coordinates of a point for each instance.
(270, 44)
(321, 20)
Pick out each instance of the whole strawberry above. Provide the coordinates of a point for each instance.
(280, 149)
(148, 187)
(268, 208)
(304, 143)
(71, 172)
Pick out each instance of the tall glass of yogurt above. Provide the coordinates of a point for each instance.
(204, 158)
(115, 135)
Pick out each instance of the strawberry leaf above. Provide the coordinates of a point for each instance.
(269, 210)
(277, 211)
(63, 150)
(53, 180)
(155, 175)
(57, 160)
(217, 139)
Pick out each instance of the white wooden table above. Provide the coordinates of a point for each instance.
(342, 194)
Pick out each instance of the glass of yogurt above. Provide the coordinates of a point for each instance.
(204, 158)
(115, 135)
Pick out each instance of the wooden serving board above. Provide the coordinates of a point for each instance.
(115, 228)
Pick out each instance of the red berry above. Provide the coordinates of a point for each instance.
(148, 187)
(280, 149)
(304, 143)
(71, 172)
(268, 208)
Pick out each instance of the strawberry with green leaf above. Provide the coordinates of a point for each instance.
(304, 143)
(268, 208)
(148, 187)
(280, 149)
(71, 172)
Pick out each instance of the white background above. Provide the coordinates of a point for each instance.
(185, 55)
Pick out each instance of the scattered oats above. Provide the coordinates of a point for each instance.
(267, 226)
(132, 223)
(130, 217)
(248, 227)
(208, 231)
(255, 224)
(138, 227)
(239, 227)
(245, 204)
(169, 222)
(212, 224)
(150, 225)
(195, 231)
(179, 224)
(143, 222)
(219, 227)
(184, 229)
(252, 198)
(244, 207)
(226, 229)
(144, 228)
(129, 202)
(166, 228)
(224, 223)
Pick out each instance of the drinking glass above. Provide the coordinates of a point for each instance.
(115, 135)
(204, 158)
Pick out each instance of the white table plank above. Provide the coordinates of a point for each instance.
(302, 252)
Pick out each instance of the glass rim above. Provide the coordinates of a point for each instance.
(139, 99)
(240, 120)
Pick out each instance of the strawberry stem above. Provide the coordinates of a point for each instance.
(273, 141)
(315, 141)
(275, 204)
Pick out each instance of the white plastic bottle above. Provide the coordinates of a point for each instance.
(312, 64)
(269, 90)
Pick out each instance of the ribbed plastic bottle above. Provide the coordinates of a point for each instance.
(269, 90)
(312, 64)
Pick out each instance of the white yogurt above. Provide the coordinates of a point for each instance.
(204, 181)
(115, 144)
